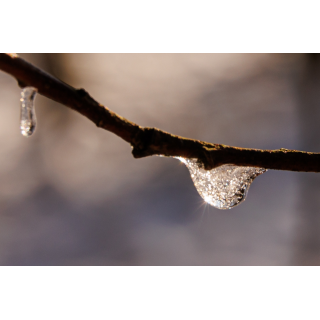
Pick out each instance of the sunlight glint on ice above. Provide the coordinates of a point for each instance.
(223, 187)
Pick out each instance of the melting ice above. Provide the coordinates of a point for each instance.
(223, 187)
(28, 119)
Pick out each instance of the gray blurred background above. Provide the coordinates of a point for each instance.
(72, 194)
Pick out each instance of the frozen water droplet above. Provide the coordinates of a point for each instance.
(223, 187)
(28, 119)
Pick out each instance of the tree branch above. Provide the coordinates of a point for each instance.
(151, 141)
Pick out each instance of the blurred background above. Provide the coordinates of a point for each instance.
(72, 194)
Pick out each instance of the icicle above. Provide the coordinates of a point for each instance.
(28, 119)
(223, 187)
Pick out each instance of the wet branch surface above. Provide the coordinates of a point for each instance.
(152, 141)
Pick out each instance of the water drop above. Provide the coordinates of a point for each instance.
(28, 119)
(223, 187)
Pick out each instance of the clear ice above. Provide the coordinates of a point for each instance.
(28, 119)
(223, 187)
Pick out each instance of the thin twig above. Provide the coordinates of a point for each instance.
(151, 141)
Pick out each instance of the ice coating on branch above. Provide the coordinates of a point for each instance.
(223, 187)
(28, 119)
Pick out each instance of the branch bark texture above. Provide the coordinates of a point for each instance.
(152, 141)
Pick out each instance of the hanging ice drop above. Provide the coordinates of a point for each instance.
(28, 119)
(223, 187)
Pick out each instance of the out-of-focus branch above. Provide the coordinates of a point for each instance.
(151, 141)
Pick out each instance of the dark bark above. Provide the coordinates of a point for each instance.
(152, 141)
